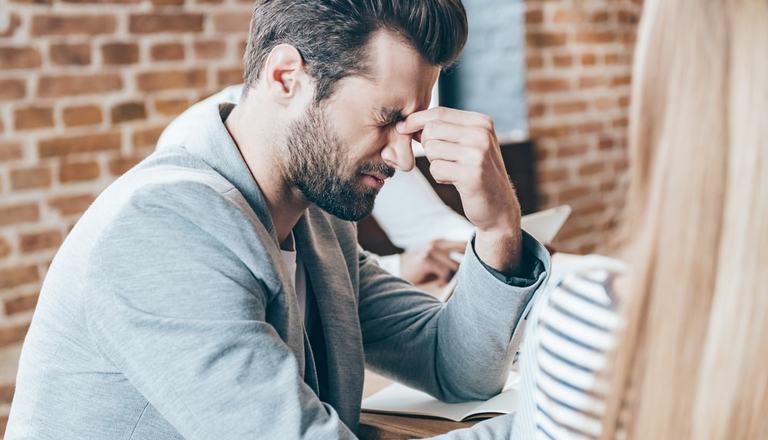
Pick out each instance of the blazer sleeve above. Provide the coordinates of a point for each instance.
(458, 350)
(183, 320)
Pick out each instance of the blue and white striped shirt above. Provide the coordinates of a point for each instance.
(569, 332)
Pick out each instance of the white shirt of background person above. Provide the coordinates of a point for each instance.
(411, 214)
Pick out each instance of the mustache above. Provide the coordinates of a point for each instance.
(378, 168)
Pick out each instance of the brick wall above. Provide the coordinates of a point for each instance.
(86, 86)
(579, 56)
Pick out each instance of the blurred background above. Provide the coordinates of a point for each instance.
(86, 87)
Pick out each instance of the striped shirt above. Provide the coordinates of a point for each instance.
(569, 332)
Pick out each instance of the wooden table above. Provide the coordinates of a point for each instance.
(389, 427)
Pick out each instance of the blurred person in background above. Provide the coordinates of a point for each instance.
(669, 342)
(407, 209)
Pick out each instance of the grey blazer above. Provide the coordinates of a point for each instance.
(167, 314)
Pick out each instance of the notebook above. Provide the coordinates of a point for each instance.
(400, 399)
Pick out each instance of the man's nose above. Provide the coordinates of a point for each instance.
(398, 152)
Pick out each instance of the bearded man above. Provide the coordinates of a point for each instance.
(217, 291)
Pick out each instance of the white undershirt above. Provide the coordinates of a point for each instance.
(296, 274)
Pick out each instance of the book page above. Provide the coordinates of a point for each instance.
(400, 399)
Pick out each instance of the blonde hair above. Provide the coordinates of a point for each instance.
(692, 359)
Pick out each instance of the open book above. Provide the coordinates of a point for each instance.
(400, 399)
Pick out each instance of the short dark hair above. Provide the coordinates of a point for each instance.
(331, 35)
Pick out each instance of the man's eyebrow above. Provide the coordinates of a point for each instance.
(390, 115)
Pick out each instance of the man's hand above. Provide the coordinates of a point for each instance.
(431, 261)
(463, 151)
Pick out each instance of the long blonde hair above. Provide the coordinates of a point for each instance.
(692, 359)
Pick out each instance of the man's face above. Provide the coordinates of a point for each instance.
(340, 152)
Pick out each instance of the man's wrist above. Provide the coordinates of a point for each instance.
(500, 249)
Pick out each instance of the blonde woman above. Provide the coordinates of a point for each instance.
(672, 345)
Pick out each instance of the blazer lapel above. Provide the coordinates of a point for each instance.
(332, 289)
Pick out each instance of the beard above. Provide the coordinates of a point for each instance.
(315, 164)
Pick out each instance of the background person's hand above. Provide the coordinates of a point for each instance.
(431, 261)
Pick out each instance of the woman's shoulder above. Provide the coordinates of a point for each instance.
(571, 332)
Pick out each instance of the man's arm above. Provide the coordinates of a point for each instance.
(459, 350)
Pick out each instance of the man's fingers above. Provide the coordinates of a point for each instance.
(442, 150)
(415, 122)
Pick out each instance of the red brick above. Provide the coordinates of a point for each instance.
(171, 79)
(13, 334)
(167, 52)
(605, 103)
(160, 3)
(606, 143)
(19, 304)
(624, 101)
(12, 57)
(572, 150)
(29, 178)
(147, 137)
(78, 171)
(622, 122)
(57, 24)
(6, 393)
(165, 22)
(534, 61)
(5, 248)
(230, 22)
(545, 39)
(536, 110)
(82, 115)
(596, 37)
(10, 152)
(575, 193)
(128, 111)
(589, 127)
(628, 17)
(21, 213)
(548, 85)
(588, 59)
(120, 53)
(91, 143)
(71, 54)
(208, 50)
(56, 86)
(33, 117)
(590, 169)
(588, 82)
(535, 16)
(233, 75)
(568, 16)
(11, 89)
(569, 107)
(119, 165)
(71, 205)
(552, 176)
(563, 60)
(599, 17)
(172, 106)
(549, 131)
(623, 80)
(18, 276)
(40, 241)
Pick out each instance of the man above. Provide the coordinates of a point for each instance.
(216, 291)
(407, 209)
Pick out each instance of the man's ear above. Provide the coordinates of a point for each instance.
(285, 77)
